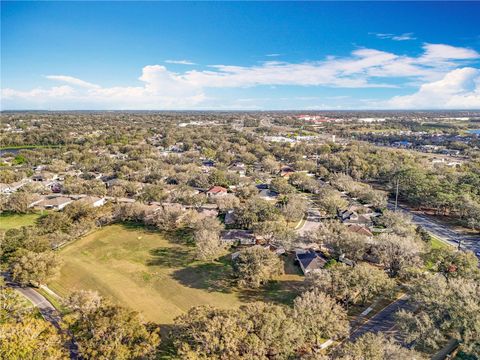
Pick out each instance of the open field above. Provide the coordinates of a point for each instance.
(156, 274)
(10, 221)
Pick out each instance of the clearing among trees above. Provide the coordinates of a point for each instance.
(157, 274)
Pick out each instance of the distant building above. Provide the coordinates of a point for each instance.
(286, 171)
(238, 168)
(359, 229)
(94, 201)
(217, 191)
(54, 202)
(230, 217)
(234, 237)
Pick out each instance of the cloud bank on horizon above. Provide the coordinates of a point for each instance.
(444, 76)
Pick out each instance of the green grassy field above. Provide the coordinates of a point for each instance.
(10, 221)
(156, 275)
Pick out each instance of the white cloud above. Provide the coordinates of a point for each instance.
(363, 68)
(39, 94)
(180, 62)
(459, 89)
(73, 81)
(161, 89)
(442, 52)
(402, 37)
(273, 55)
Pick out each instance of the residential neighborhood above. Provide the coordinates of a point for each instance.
(258, 180)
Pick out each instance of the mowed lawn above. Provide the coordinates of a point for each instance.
(11, 221)
(156, 276)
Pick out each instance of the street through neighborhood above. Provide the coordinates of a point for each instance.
(384, 320)
(444, 232)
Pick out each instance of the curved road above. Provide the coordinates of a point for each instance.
(311, 224)
(47, 310)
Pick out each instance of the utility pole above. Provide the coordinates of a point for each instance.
(396, 195)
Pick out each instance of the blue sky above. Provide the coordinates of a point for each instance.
(249, 55)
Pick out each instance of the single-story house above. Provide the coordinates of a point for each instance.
(310, 261)
(217, 191)
(353, 217)
(243, 237)
(279, 250)
(230, 217)
(35, 200)
(286, 171)
(94, 201)
(359, 229)
(267, 194)
(208, 163)
(238, 168)
(54, 202)
(272, 248)
(205, 213)
(11, 188)
(346, 261)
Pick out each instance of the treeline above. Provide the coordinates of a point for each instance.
(448, 191)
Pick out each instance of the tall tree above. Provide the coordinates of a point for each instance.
(453, 263)
(376, 347)
(340, 241)
(356, 285)
(295, 208)
(23, 335)
(255, 331)
(320, 317)
(455, 313)
(207, 239)
(254, 266)
(34, 268)
(397, 253)
(106, 331)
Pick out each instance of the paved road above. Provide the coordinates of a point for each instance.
(384, 321)
(47, 310)
(311, 224)
(444, 232)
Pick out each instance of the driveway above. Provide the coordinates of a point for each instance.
(312, 222)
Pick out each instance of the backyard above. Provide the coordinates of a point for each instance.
(156, 274)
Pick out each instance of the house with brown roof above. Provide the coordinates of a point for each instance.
(359, 229)
(216, 191)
